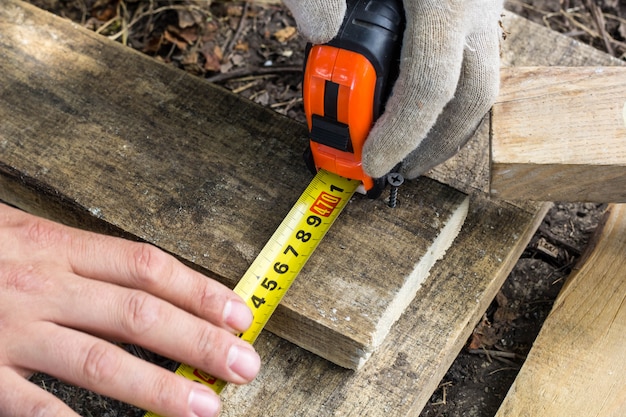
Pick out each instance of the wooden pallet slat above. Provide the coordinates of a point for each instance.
(577, 365)
(559, 134)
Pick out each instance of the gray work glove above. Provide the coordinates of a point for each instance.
(449, 78)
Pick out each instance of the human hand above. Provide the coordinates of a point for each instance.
(449, 78)
(64, 292)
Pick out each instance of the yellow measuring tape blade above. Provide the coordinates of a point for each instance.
(273, 271)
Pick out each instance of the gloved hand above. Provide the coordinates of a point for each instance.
(449, 78)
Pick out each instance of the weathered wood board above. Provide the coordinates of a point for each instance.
(94, 130)
(577, 365)
(559, 134)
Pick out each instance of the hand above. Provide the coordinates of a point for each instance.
(449, 78)
(65, 292)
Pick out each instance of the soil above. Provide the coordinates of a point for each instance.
(253, 49)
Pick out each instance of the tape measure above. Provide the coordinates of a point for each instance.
(275, 268)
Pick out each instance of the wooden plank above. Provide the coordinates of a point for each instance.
(405, 371)
(559, 134)
(129, 144)
(577, 365)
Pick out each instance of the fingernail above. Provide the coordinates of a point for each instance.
(204, 403)
(244, 361)
(237, 315)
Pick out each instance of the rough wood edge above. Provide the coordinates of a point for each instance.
(567, 370)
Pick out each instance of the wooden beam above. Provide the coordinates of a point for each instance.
(577, 365)
(559, 134)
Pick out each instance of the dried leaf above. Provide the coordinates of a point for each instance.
(224, 68)
(212, 56)
(104, 10)
(190, 34)
(504, 314)
(209, 29)
(217, 50)
(153, 44)
(234, 11)
(242, 46)
(285, 34)
(484, 335)
(189, 17)
(263, 98)
(173, 38)
(190, 58)
(501, 299)
(237, 60)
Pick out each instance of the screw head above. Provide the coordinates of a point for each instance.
(395, 179)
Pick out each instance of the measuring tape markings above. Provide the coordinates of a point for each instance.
(273, 271)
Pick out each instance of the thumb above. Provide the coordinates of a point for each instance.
(318, 20)
(431, 58)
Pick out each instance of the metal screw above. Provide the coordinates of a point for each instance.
(395, 180)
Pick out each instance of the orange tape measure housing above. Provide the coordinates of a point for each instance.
(353, 81)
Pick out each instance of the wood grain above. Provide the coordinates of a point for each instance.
(559, 134)
(577, 365)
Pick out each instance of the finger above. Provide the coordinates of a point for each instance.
(130, 264)
(21, 398)
(476, 92)
(102, 367)
(126, 263)
(318, 20)
(137, 317)
(431, 58)
(145, 267)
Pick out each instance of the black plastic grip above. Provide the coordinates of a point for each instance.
(374, 29)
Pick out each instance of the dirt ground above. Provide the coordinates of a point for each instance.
(254, 50)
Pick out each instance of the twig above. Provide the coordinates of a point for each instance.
(598, 19)
(242, 72)
(496, 353)
(554, 239)
(149, 13)
(246, 86)
(509, 368)
(253, 78)
(288, 103)
(528, 6)
(242, 22)
(444, 393)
